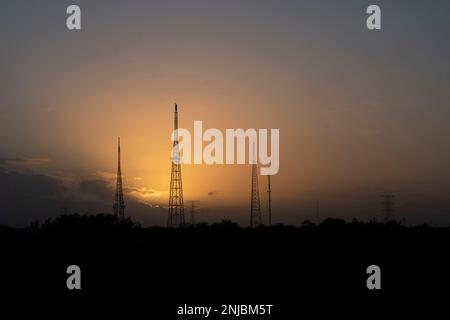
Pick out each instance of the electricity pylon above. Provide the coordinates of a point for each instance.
(388, 206)
(193, 210)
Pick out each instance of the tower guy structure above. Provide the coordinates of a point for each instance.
(388, 203)
(255, 208)
(119, 204)
(175, 217)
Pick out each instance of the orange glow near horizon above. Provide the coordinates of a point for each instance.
(355, 117)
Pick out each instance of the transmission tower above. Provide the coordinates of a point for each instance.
(255, 209)
(269, 191)
(175, 217)
(317, 212)
(193, 210)
(388, 203)
(119, 204)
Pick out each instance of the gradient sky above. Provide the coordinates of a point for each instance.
(360, 112)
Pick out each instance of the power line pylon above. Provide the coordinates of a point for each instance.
(388, 203)
(317, 212)
(193, 210)
(255, 208)
(119, 204)
(175, 217)
(269, 191)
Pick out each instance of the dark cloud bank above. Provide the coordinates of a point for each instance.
(27, 196)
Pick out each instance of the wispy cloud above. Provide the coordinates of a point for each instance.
(23, 161)
(106, 175)
(143, 192)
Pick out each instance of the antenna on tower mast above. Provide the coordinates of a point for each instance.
(269, 191)
(255, 208)
(119, 204)
(175, 216)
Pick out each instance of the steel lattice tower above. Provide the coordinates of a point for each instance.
(175, 217)
(119, 204)
(388, 206)
(255, 209)
(269, 192)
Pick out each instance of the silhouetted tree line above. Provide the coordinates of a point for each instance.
(122, 256)
(104, 222)
(331, 238)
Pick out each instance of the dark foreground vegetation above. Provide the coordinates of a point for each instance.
(223, 263)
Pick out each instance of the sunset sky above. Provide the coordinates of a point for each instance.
(360, 112)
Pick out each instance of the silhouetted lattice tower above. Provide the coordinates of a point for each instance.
(119, 204)
(255, 209)
(269, 192)
(193, 210)
(175, 217)
(388, 203)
